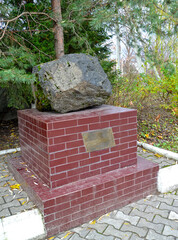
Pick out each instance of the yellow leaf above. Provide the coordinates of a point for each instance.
(126, 223)
(93, 222)
(15, 186)
(161, 137)
(24, 202)
(147, 135)
(6, 176)
(67, 234)
(33, 176)
(50, 238)
(157, 155)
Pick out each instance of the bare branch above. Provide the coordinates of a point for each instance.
(27, 13)
(19, 16)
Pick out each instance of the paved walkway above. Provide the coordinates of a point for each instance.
(155, 217)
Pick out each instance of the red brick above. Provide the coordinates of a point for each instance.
(49, 218)
(56, 148)
(127, 151)
(67, 212)
(104, 192)
(128, 114)
(78, 157)
(81, 200)
(128, 127)
(99, 165)
(90, 174)
(66, 167)
(77, 129)
(100, 125)
(110, 168)
(68, 152)
(82, 149)
(110, 117)
(88, 120)
(58, 176)
(133, 144)
(98, 153)
(57, 162)
(75, 144)
(89, 161)
(77, 171)
(55, 133)
(118, 122)
(132, 120)
(110, 155)
(133, 132)
(88, 204)
(128, 163)
(68, 197)
(64, 124)
(110, 196)
(63, 139)
(120, 134)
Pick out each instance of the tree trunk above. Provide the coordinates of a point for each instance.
(58, 29)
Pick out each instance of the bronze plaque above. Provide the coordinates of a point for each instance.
(98, 140)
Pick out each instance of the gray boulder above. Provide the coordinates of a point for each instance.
(73, 82)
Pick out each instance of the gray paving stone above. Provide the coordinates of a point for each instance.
(168, 231)
(141, 232)
(132, 219)
(4, 191)
(168, 207)
(76, 237)
(18, 195)
(175, 203)
(171, 223)
(1, 200)
(147, 216)
(157, 227)
(152, 235)
(82, 231)
(114, 222)
(173, 215)
(13, 203)
(135, 237)
(93, 235)
(66, 235)
(169, 201)
(100, 227)
(171, 195)
(117, 233)
(4, 213)
(150, 203)
(126, 209)
(15, 210)
(164, 213)
(140, 207)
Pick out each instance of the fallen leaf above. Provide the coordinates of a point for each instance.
(157, 155)
(33, 176)
(157, 118)
(147, 135)
(93, 222)
(67, 234)
(126, 223)
(24, 202)
(15, 186)
(50, 238)
(161, 137)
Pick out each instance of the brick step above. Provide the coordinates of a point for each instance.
(73, 204)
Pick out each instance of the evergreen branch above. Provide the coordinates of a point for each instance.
(19, 16)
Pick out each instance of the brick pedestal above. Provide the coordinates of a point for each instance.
(74, 185)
